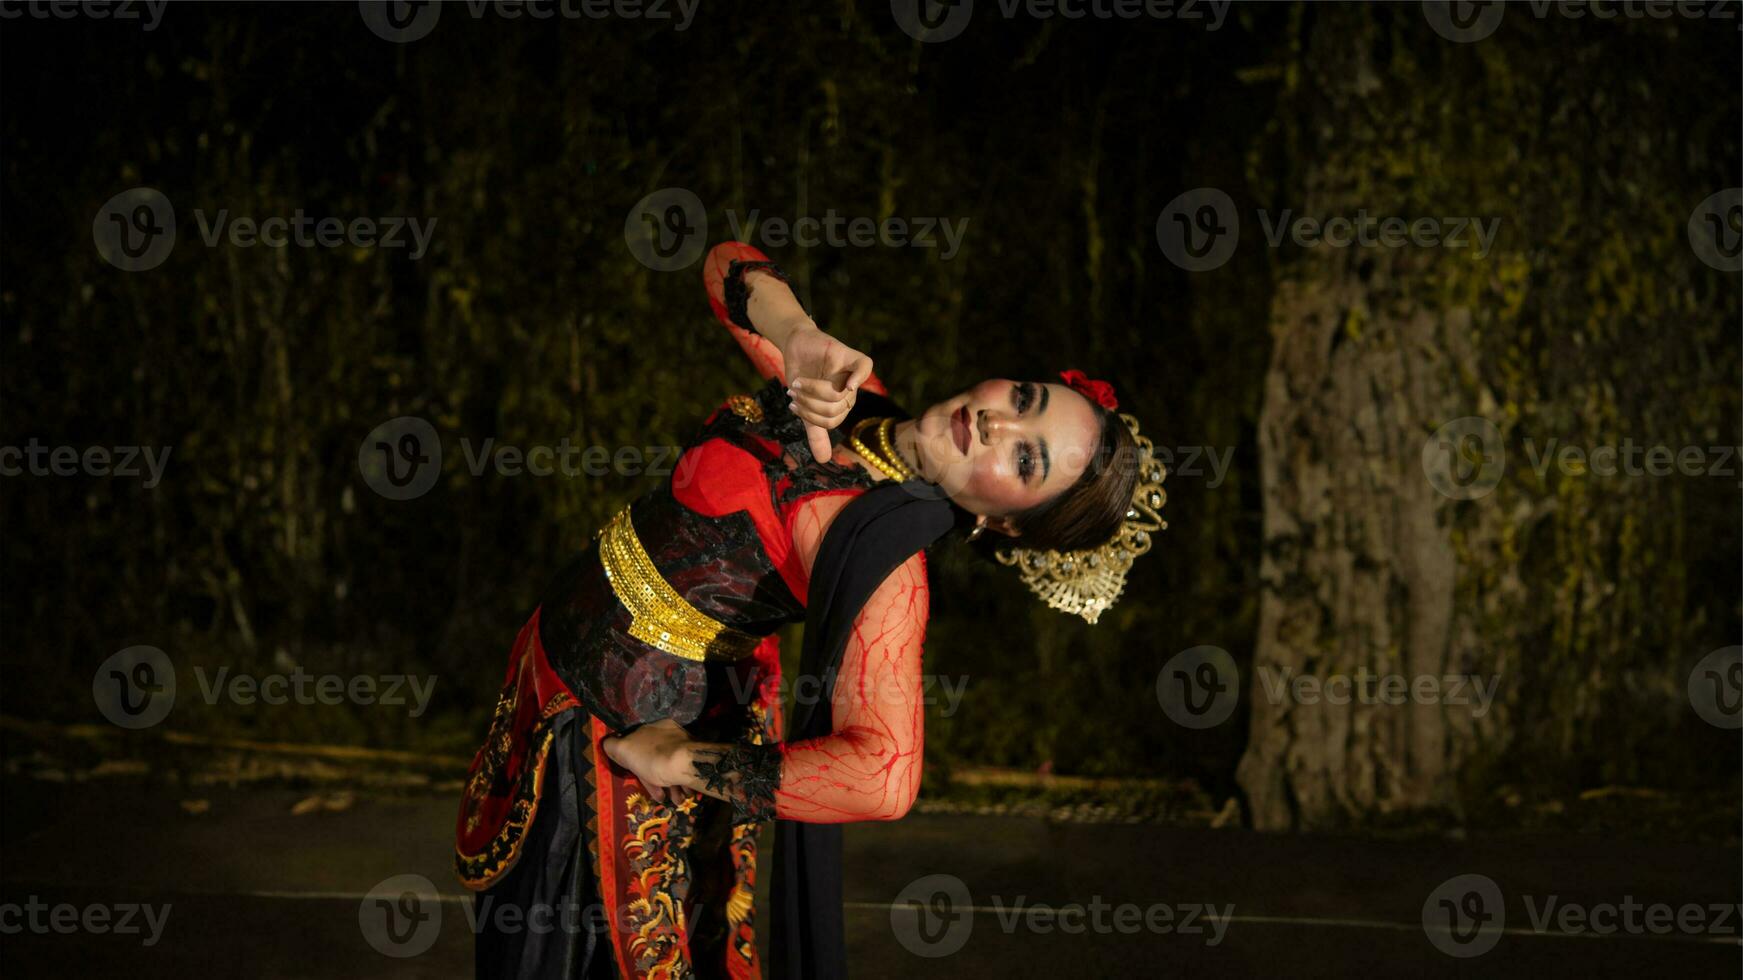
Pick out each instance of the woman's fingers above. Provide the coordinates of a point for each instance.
(826, 409)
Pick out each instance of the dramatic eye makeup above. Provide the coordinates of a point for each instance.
(1023, 397)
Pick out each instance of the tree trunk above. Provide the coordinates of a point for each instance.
(1380, 555)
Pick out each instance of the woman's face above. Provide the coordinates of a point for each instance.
(1004, 446)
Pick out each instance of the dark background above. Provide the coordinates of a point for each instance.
(1059, 143)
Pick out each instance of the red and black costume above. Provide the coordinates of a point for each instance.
(755, 533)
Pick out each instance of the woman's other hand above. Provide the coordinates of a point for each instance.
(656, 753)
(823, 376)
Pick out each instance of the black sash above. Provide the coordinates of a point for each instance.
(871, 537)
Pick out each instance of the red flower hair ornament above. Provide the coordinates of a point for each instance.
(1099, 392)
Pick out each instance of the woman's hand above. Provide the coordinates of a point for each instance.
(823, 376)
(657, 754)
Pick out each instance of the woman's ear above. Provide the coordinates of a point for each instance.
(1004, 526)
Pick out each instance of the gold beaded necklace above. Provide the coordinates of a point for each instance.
(888, 462)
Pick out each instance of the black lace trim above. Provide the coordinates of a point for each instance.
(758, 768)
(780, 425)
(738, 294)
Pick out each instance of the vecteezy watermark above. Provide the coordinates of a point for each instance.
(148, 12)
(120, 919)
(1199, 229)
(1715, 688)
(1466, 916)
(668, 230)
(303, 688)
(1370, 688)
(405, 21)
(1199, 687)
(933, 916)
(1631, 459)
(1465, 458)
(935, 689)
(36, 459)
(1466, 21)
(401, 459)
(1184, 461)
(402, 916)
(658, 688)
(136, 230)
(136, 688)
(932, 21)
(1716, 230)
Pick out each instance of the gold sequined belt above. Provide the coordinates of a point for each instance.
(659, 616)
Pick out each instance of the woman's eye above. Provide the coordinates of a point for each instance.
(1025, 397)
(1025, 463)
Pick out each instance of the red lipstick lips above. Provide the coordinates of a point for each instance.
(959, 430)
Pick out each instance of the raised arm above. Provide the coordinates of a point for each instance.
(770, 307)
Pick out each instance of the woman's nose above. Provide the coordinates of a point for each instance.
(996, 425)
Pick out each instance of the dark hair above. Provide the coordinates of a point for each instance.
(1088, 513)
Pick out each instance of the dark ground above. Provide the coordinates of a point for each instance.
(258, 892)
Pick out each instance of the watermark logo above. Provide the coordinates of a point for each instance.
(37, 916)
(1463, 21)
(931, 21)
(1198, 688)
(1630, 458)
(933, 916)
(667, 687)
(401, 916)
(1466, 21)
(37, 459)
(1465, 458)
(1716, 688)
(136, 687)
(1366, 687)
(1465, 916)
(1199, 229)
(1716, 230)
(400, 21)
(401, 458)
(406, 21)
(667, 230)
(135, 230)
(303, 688)
(92, 9)
(944, 691)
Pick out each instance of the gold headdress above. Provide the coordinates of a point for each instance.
(1089, 581)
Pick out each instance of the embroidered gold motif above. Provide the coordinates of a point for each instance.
(659, 877)
(497, 745)
(745, 407)
(479, 871)
(660, 616)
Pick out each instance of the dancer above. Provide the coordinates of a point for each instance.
(637, 743)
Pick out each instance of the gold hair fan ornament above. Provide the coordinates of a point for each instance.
(1089, 581)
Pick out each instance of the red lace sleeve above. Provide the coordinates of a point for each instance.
(764, 355)
(869, 766)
